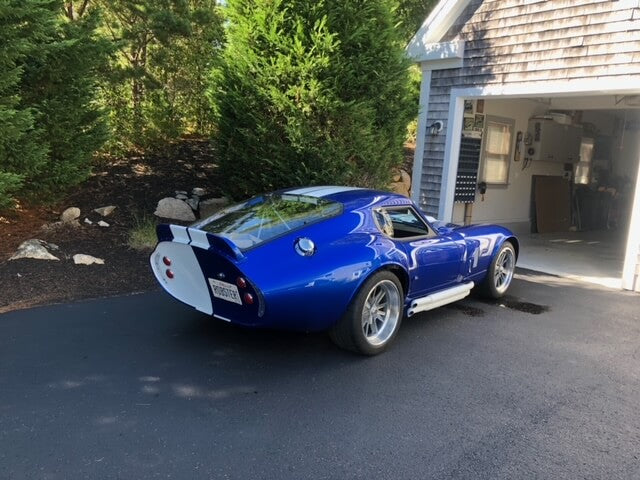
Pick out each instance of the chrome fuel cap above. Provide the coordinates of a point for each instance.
(305, 247)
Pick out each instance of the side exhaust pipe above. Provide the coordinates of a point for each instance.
(439, 299)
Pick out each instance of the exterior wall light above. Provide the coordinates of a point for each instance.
(436, 127)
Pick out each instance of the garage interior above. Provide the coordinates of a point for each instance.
(560, 172)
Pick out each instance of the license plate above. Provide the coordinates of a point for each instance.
(225, 291)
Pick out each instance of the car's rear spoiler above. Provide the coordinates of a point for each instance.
(198, 238)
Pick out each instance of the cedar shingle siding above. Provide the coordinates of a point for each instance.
(511, 41)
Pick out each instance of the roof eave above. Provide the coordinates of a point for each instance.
(434, 28)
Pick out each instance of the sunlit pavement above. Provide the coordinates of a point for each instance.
(142, 387)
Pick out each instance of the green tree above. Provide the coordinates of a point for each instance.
(156, 90)
(20, 148)
(412, 13)
(178, 75)
(49, 125)
(60, 85)
(310, 93)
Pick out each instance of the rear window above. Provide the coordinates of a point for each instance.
(263, 218)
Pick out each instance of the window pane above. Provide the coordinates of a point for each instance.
(498, 139)
(263, 218)
(496, 155)
(401, 223)
(496, 168)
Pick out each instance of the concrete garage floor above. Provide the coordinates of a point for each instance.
(594, 257)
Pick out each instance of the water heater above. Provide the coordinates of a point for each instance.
(551, 141)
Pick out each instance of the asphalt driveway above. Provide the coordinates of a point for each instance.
(544, 385)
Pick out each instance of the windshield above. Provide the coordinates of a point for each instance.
(263, 218)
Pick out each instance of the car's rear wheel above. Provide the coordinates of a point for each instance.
(372, 320)
(500, 272)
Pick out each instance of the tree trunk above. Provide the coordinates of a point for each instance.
(73, 14)
(139, 63)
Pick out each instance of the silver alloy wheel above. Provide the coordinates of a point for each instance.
(381, 312)
(503, 272)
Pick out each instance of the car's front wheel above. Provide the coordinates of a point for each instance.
(372, 320)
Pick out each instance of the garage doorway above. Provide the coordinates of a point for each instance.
(570, 179)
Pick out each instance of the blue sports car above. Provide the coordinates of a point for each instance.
(348, 260)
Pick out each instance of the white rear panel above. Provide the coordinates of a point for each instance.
(188, 284)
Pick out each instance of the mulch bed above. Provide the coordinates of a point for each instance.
(134, 185)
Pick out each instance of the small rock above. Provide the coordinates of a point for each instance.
(193, 203)
(36, 249)
(198, 191)
(70, 214)
(82, 259)
(102, 223)
(212, 205)
(87, 221)
(105, 211)
(58, 225)
(181, 196)
(181, 192)
(174, 209)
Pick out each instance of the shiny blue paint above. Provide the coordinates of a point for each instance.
(312, 293)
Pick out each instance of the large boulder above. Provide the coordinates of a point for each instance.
(401, 188)
(405, 178)
(174, 209)
(37, 249)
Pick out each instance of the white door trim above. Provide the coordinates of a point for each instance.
(631, 270)
(564, 88)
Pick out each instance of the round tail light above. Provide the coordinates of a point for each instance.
(169, 273)
(248, 299)
(241, 282)
(166, 261)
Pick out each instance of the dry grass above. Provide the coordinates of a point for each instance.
(143, 234)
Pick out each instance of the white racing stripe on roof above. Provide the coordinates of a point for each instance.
(199, 238)
(322, 191)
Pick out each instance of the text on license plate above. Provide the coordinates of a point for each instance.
(225, 291)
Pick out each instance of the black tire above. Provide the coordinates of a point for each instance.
(505, 258)
(355, 331)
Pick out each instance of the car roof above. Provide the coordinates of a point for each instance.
(351, 197)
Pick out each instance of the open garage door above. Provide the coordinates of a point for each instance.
(562, 173)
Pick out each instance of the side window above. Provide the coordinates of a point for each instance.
(402, 222)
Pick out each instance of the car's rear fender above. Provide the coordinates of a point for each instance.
(189, 263)
(312, 292)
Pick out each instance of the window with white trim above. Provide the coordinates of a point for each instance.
(496, 150)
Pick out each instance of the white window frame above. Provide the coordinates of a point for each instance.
(511, 123)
